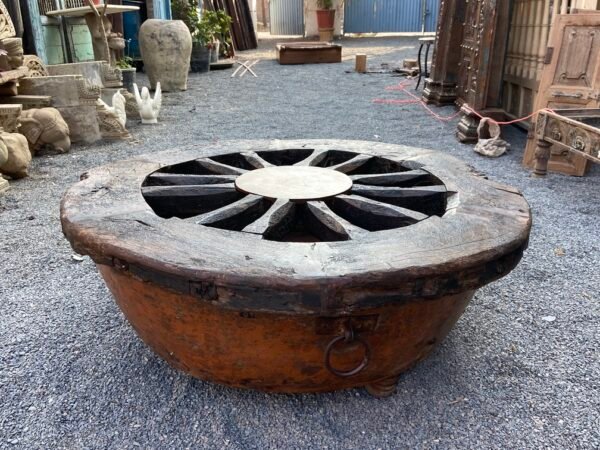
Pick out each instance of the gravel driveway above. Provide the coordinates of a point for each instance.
(520, 370)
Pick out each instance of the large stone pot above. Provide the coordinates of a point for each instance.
(166, 47)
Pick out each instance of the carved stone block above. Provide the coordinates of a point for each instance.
(9, 117)
(29, 101)
(75, 98)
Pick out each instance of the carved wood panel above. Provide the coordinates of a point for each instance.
(482, 52)
(571, 80)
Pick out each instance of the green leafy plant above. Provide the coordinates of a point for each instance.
(126, 62)
(326, 4)
(219, 23)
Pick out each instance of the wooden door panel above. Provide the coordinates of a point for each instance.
(571, 80)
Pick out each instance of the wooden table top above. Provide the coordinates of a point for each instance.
(83, 10)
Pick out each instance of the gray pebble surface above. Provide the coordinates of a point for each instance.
(521, 369)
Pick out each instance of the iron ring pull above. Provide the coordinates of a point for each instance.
(347, 337)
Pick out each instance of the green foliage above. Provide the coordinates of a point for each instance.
(205, 30)
(219, 23)
(126, 62)
(326, 4)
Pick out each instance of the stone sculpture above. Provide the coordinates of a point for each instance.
(45, 130)
(103, 38)
(3, 158)
(19, 155)
(118, 107)
(149, 107)
(166, 47)
(489, 143)
(9, 117)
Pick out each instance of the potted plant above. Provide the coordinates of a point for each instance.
(219, 22)
(325, 15)
(201, 30)
(125, 65)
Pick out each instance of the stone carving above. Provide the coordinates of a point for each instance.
(19, 156)
(7, 29)
(101, 26)
(3, 159)
(88, 93)
(74, 98)
(131, 106)
(118, 107)
(149, 107)
(9, 117)
(110, 123)
(111, 76)
(14, 53)
(489, 143)
(36, 66)
(45, 130)
(166, 47)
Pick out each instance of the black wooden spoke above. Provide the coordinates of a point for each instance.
(351, 164)
(313, 159)
(276, 221)
(329, 226)
(373, 215)
(391, 179)
(385, 192)
(220, 168)
(228, 212)
(255, 160)
(187, 190)
(428, 200)
(169, 179)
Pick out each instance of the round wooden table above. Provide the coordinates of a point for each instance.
(295, 266)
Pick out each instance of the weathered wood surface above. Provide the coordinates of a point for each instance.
(308, 53)
(480, 237)
(570, 80)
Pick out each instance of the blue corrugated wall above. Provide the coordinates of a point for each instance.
(389, 16)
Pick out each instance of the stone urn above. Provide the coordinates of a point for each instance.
(166, 47)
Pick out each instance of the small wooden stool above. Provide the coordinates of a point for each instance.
(425, 42)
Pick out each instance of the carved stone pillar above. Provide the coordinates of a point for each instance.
(440, 87)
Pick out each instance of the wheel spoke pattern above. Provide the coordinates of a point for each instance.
(385, 195)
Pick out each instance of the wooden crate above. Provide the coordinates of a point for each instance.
(309, 53)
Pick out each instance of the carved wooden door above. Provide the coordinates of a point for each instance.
(570, 80)
(477, 50)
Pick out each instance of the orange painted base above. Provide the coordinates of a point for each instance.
(281, 352)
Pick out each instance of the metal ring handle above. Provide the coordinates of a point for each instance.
(347, 337)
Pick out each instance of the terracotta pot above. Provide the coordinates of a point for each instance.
(166, 47)
(325, 18)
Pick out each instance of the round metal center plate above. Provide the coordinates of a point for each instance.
(294, 182)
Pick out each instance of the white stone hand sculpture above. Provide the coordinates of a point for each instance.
(149, 108)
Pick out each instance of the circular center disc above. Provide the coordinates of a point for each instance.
(294, 182)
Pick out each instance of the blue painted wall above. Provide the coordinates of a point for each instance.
(390, 16)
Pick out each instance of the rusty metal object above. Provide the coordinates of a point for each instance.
(349, 289)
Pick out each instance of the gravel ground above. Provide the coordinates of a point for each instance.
(520, 370)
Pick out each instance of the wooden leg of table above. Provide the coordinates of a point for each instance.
(420, 67)
(542, 155)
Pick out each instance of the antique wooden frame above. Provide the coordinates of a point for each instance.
(566, 130)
